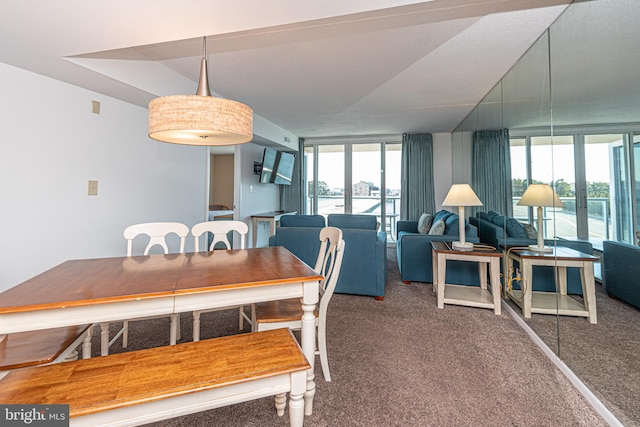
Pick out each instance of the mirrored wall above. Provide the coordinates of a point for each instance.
(571, 106)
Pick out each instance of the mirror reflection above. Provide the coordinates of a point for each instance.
(571, 107)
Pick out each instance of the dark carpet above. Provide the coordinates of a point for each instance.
(404, 362)
(605, 356)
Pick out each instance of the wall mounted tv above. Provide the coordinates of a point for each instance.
(277, 167)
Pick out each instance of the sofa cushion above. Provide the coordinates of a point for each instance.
(491, 215)
(424, 223)
(498, 220)
(515, 228)
(316, 221)
(482, 215)
(361, 222)
(452, 225)
(443, 214)
(437, 228)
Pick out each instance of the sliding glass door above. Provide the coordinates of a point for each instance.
(591, 174)
(354, 177)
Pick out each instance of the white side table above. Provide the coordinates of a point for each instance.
(472, 296)
(550, 302)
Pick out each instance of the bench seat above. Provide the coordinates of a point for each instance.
(43, 347)
(154, 384)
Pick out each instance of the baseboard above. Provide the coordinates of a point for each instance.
(597, 405)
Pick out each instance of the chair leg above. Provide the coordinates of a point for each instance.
(86, 344)
(241, 318)
(173, 331)
(104, 338)
(322, 349)
(281, 403)
(196, 326)
(125, 334)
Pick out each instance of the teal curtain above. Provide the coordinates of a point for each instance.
(417, 193)
(291, 196)
(491, 170)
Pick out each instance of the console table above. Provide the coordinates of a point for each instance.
(472, 296)
(272, 218)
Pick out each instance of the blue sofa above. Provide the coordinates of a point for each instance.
(414, 251)
(497, 230)
(621, 270)
(364, 266)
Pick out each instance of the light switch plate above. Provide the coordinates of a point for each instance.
(92, 187)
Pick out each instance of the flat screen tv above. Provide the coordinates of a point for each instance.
(277, 167)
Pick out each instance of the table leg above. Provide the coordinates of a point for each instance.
(527, 290)
(272, 227)
(562, 279)
(441, 274)
(254, 233)
(434, 272)
(482, 269)
(494, 275)
(589, 290)
(308, 340)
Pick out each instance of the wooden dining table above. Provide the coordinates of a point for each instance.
(111, 289)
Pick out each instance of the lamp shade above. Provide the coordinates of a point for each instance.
(461, 195)
(540, 195)
(200, 120)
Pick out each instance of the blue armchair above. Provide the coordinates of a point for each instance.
(621, 267)
(364, 267)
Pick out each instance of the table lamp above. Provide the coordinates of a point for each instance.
(540, 195)
(461, 195)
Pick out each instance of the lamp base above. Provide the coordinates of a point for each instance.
(462, 246)
(536, 248)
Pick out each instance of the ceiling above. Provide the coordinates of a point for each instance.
(327, 68)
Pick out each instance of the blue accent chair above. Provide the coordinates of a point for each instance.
(621, 269)
(364, 267)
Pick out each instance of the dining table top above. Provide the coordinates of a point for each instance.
(120, 279)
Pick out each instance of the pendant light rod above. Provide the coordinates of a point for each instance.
(203, 83)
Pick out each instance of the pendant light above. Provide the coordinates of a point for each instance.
(200, 119)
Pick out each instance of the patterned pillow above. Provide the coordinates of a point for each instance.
(437, 228)
(424, 223)
(531, 231)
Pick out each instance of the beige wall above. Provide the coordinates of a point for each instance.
(221, 185)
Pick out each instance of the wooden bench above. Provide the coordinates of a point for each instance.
(43, 347)
(154, 384)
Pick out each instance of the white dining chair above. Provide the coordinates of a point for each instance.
(288, 313)
(220, 231)
(157, 233)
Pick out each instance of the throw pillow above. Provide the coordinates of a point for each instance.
(424, 223)
(515, 228)
(532, 233)
(437, 228)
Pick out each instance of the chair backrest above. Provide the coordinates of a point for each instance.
(157, 231)
(328, 264)
(219, 229)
